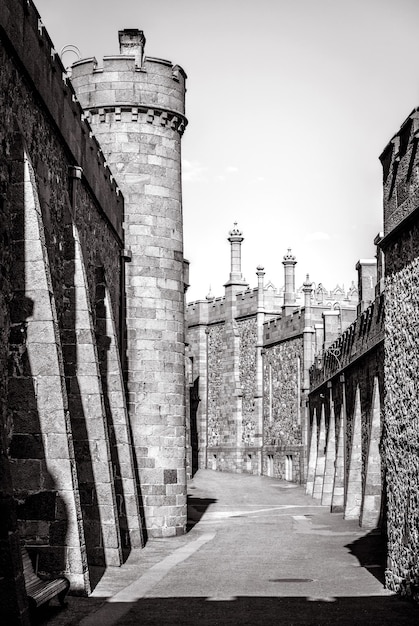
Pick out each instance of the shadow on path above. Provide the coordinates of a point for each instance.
(370, 551)
(249, 610)
(196, 509)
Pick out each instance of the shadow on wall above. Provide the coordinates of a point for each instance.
(194, 403)
(41, 512)
(82, 446)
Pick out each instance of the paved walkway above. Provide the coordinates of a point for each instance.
(259, 552)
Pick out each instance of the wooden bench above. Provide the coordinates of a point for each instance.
(39, 590)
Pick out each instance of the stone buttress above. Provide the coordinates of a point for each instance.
(135, 105)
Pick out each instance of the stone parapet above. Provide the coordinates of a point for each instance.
(279, 328)
(401, 184)
(156, 86)
(359, 338)
(212, 310)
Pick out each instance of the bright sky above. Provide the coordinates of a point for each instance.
(290, 103)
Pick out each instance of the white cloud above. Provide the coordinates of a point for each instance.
(193, 171)
(231, 169)
(317, 236)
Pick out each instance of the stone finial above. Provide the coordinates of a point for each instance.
(260, 270)
(209, 295)
(289, 264)
(289, 258)
(235, 234)
(307, 285)
(235, 239)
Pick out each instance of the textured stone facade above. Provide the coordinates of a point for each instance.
(247, 367)
(251, 351)
(216, 342)
(282, 376)
(401, 428)
(282, 436)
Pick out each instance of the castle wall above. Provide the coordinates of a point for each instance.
(136, 107)
(70, 491)
(251, 357)
(231, 421)
(345, 404)
(282, 436)
(401, 429)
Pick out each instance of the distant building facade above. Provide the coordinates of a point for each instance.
(251, 351)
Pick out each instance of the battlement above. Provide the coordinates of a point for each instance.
(205, 311)
(29, 42)
(128, 62)
(246, 304)
(213, 309)
(152, 89)
(366, 332)
(283, 327)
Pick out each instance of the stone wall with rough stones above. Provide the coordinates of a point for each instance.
(247, 373)
(282, 437)
(12, 594)
(401, 434)
(136, 106)
(400, 443)
(231, 444)
(401, 428)
(282, 375)
(215, 427)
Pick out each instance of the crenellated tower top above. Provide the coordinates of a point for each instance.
(131, 87)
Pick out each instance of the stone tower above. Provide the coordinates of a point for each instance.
(135, 105)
